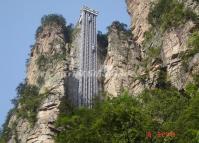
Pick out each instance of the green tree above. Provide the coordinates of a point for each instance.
(50, 19)
(53, 19)
(118, 120)
(164, 106)
(120, 27)
(169, 13)
(187, 125)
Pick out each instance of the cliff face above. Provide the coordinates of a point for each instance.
(121, 62)
(47, 70)
(132, 61)
(138, 10)
(172, 42)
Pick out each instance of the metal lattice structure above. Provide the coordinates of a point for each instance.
(88, 85)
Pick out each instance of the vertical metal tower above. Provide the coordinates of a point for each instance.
(88, 86)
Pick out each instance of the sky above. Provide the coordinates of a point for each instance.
(19, 20)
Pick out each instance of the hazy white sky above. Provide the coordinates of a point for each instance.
(18, 22)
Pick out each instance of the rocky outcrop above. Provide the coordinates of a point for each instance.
(191, 4)
(131, 62)
(47, 70)
(172, 42)
(122, 60)
(72, 82)
(139, 10)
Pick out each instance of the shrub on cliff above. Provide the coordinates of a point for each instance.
(169, 13)
(193, 44)
(50, 20)
(102, 39)
(68, 32)
(194, 41)
(53, 19)
(6, 132)
(102, 42)
(28, 98)
(38, 31)
(120, 27)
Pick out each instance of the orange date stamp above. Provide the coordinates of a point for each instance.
(159, 134)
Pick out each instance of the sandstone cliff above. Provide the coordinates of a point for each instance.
(121, 62)
(164, 48)
(133, 60)
(139, 61)
(46, 70)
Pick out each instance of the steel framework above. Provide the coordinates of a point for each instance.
(88, 85)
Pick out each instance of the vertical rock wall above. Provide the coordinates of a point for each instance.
(47, 70)
(71, 82)
(173, 41)
(124, 66)
(121, 63)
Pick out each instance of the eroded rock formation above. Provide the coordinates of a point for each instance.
(128, 64)
(46, 69)
(172, 42)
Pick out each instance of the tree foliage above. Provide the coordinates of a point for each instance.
(169, 13)
(127, 119)
(102, 39)
(118, 120)
(120, 27)
(5, 131)
(187, 124)
(68, 32)
(51, 19)
(102, 42)
(29, 100)
(193, 43)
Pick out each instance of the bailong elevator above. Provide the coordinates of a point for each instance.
(88, 84)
